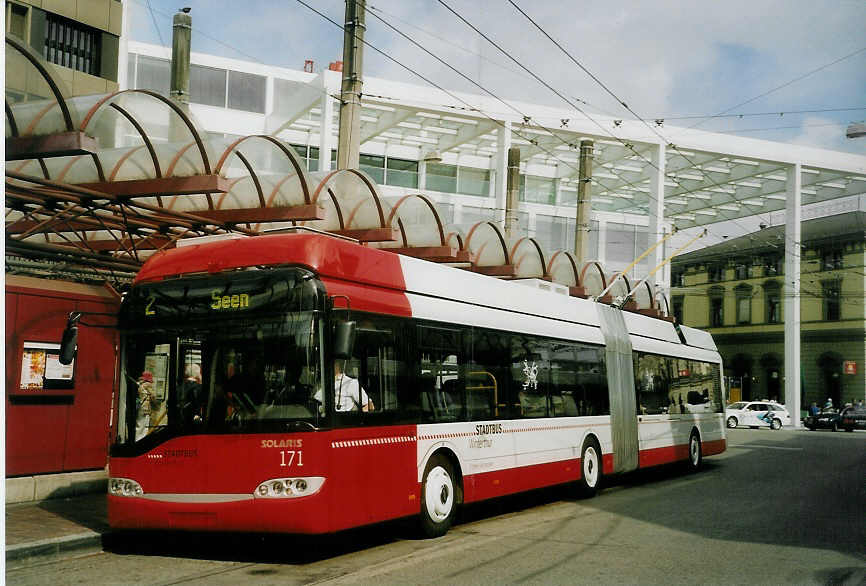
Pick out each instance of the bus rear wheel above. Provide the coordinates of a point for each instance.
(696, 456)
(438, 497)
(590, 469)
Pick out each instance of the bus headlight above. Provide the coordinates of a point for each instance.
(124, 487)
(289, 487)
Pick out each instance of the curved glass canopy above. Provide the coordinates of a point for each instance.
(117, 177)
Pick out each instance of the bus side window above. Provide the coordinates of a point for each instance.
(488, 388)
(529, 375)
(652, 384)
(441, 380)
(378, 362)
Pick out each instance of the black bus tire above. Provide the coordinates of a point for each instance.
(696, 456)
(439, 497)
(590, 468)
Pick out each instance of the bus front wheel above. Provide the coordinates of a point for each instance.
(438, 497)
(590, 469)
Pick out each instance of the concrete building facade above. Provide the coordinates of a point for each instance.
(79, 40)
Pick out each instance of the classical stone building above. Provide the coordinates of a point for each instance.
(735, 290)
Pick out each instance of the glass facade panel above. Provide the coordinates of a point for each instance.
(472, 181)
(446, 212)
(442, 177)
(472, 214)
(568, 197)
(402, 173)
(207, 85)
(537, 189)
(153, 74)
(246, 92)
(621, 241)
(374, 166)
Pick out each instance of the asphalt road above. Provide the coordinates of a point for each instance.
(778, 507)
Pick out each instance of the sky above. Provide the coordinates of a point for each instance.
(794, 69)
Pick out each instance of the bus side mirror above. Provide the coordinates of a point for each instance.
(344, 339)
(69, 344)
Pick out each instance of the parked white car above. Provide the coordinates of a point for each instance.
(757, 414)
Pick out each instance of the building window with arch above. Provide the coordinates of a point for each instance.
(744, 304)
(831, 259)
(715, 272)
(773, 302)
(773, 264)
(832, 293)
(717, 303)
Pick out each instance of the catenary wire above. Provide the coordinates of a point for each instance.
(617, 98)
(624, 143)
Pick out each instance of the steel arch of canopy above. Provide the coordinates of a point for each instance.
(593, 270)
(194, 133)
(381, 232)
(528, 247)
(434, 212)
(285, 150)
(501, 267)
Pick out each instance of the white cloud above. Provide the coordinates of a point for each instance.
(662, 58)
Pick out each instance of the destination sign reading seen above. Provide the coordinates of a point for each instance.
(236, 301)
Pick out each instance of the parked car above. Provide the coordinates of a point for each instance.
(853, 418)
(827, 418)
(755, 414)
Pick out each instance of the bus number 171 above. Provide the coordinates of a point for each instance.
(290, 456)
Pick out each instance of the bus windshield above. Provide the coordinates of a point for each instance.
(233, 353)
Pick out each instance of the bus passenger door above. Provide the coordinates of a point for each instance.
(620, 382)
(375, 456)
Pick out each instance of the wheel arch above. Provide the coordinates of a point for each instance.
(447, 451)
(591, 435)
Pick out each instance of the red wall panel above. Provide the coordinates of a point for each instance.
(44, 434)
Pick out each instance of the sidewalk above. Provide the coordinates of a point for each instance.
(55, 527)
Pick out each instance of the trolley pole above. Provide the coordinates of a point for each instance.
(179, 89)
(512, 194)
(180, 47)
(348, 147)
(584, 203)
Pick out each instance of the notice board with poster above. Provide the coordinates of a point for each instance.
(41, 369)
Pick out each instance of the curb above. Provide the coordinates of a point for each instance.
(55, 547)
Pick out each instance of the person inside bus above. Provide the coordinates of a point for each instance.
(190, 394)
(349, 395)
(246, 386)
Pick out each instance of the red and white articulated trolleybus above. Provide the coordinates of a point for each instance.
(302, 383)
